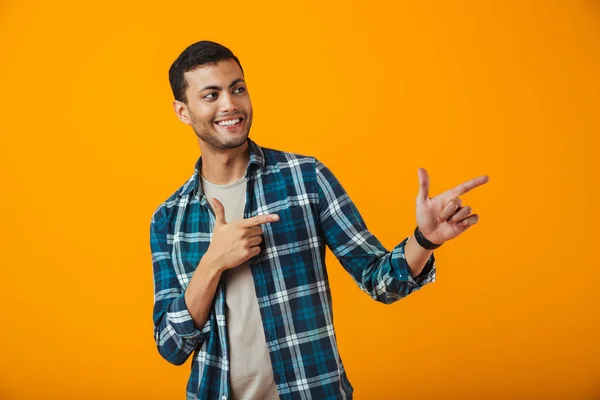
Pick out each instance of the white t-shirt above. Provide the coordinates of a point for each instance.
(250, 370)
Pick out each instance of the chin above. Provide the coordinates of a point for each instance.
(230, 144)
(234, 145)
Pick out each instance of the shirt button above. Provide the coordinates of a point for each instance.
(224, 398)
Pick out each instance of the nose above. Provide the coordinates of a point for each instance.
(226, 103)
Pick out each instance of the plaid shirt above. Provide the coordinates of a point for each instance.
(289, 275)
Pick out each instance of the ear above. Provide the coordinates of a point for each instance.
(181, 111)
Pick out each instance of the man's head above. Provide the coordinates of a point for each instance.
(211, 96)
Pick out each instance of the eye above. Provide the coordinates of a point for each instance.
(208, 96)
(240, 89)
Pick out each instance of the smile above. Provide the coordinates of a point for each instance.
(229, 122)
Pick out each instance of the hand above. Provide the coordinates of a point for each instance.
(443, 217)
(234, 243)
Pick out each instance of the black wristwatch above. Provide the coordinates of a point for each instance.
(423, 242)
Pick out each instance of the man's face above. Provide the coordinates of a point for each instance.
(218, 104)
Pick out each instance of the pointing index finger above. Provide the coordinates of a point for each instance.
(467, 186)
(259, 220)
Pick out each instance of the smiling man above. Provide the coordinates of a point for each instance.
(238, 250)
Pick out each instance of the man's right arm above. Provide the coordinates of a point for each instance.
(178, 332)
(201, 291)
(181, 319)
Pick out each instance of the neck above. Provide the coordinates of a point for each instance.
(224, 166)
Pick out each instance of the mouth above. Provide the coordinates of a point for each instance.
(230, 123)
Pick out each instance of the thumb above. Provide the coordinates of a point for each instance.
(423, 185)
(219, 211)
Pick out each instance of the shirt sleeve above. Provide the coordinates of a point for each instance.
(383, 275)
(175, 334)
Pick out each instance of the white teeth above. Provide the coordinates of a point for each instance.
(229, 122)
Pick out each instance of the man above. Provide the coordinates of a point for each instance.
(239, 250)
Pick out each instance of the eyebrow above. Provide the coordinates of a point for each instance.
(213, 87)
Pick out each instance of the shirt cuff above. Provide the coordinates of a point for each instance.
(182, 322)
(427, 274)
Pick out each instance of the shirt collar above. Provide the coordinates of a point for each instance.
(257, 159)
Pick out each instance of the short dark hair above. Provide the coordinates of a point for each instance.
(196, 55)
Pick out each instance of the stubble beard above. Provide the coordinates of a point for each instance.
(208, 134)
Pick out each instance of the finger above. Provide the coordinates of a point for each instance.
(259, 220)
(470, 221)
(467, 186)
(451, 207)
(461, 214)
(253, 252)
(423, 185)
(254, 241)
(254, 231)
(219, 211)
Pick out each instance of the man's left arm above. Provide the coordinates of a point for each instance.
(388, 276)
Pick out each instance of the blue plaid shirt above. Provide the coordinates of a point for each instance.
(289, 275)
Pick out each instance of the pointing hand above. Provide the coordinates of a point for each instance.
(236, 242)
(443, 217)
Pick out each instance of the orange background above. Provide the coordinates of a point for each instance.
(91, 146)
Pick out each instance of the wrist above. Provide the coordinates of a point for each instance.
(209, 264)
(416, 256)
(423, 241)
